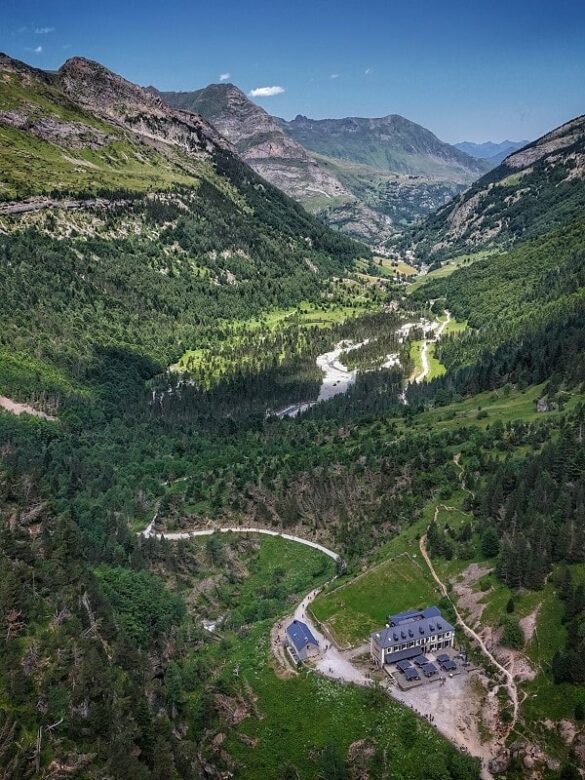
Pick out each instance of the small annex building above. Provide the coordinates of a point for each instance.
(410, 634)
(301, 642)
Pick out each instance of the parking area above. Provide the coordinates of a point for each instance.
(428, 668)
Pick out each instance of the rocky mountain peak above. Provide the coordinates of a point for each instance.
(142, 110)
(92, 84)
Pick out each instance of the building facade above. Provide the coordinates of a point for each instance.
(409, 634)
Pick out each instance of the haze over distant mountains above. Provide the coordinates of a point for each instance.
(494, 152)
(390, 143)
(365, 177)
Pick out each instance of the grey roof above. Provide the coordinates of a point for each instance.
(410, 652)
(409, 626)
(300, 635)
(411, 673)
(421, 660)
(429, 668)
(406, 617)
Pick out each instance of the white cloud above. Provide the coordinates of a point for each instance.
(224, 76)
(334, 76)
(44, 30)
(36, 50)
(367, 71)
(266, 91)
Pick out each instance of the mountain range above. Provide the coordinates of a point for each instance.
(365, 177)
(532, 190)
(161, 301)
(493, 152)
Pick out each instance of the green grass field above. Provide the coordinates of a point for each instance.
(306, 315)
(436, 368)
(502, 405)
(448, 267)
(415, 356)
(352, 611)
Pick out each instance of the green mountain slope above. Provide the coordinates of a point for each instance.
(211, 240)
(53, 144)
(261, 142)
(390, 143)
(106, 666)
(368, 186)
(531, 192)
(525, 309)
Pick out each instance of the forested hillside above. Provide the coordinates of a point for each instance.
(525, 311)
(162, 301)
(534, 190)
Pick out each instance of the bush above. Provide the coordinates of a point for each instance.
(512, 636)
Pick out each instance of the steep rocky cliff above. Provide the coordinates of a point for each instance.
(532, 190)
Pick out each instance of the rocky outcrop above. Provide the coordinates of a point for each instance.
(120, 102)
(71, 135)
(259, 141)
(533, 188)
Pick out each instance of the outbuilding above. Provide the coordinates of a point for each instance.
(301, 642)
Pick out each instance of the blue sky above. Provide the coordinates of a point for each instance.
(466, 70)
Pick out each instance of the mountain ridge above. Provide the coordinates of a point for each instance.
(533, 189)
(371, 205)
(391, 143)
(495, 152)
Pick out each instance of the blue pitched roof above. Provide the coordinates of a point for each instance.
(300, 634)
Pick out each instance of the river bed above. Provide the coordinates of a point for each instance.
(337, 378)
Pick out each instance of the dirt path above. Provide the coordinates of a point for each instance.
(510, 683)
(424, 352)
(17, 408)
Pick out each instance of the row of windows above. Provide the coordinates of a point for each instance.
(417, 642)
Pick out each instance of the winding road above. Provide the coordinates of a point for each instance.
(149, 531)
(424, 353)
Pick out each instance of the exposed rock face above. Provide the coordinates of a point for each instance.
(260, 141)
(71, 135)
(500, 763)
(118, 101)
(367, 203)
(559, 139)
(543, 180)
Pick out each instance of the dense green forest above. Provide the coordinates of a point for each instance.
(162, 331)
(525, 314)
